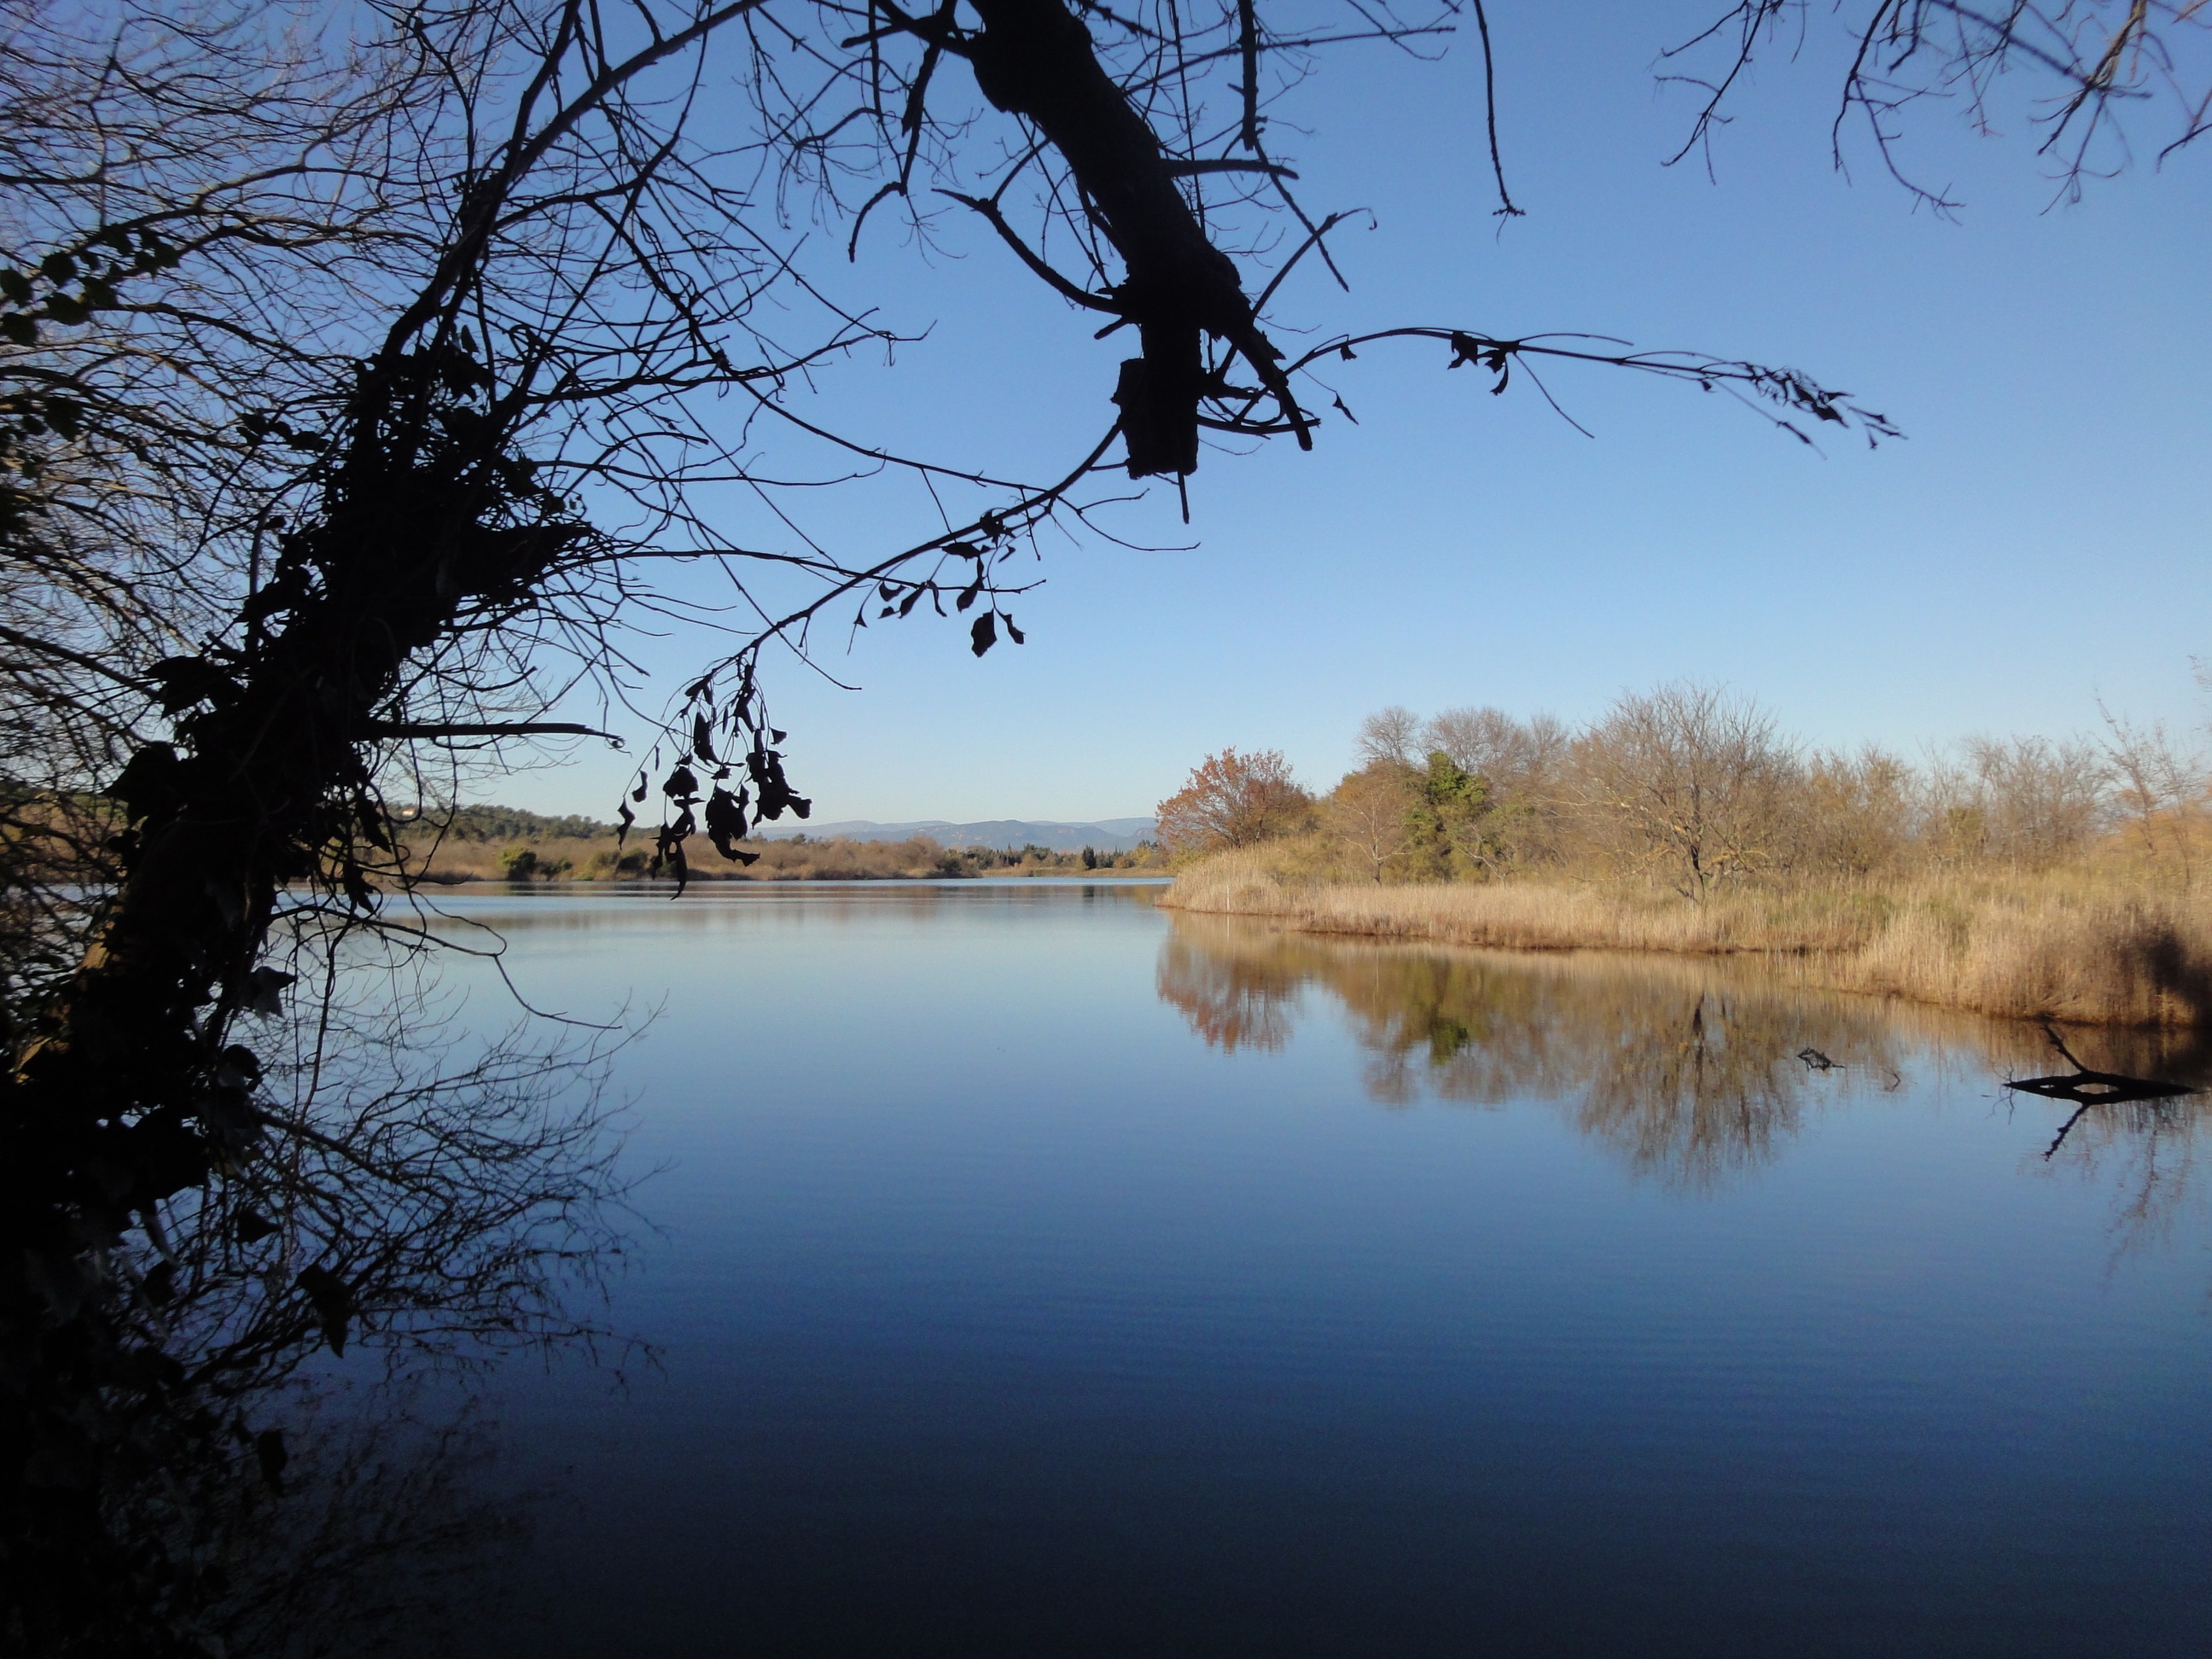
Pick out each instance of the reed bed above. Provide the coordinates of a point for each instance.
(2071, 946)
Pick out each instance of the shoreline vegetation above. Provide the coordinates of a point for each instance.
(504, 844)
(2024, 878)
(2082, 947)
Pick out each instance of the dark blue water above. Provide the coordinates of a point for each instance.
(1037, 1275)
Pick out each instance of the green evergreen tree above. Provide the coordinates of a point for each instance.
(1449, 824)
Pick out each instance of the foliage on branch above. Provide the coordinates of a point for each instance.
(1233, 800)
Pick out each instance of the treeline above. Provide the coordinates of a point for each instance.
(512, 824)
(502, 843)
(1691, 787)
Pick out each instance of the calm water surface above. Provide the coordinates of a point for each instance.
(1035, 1273)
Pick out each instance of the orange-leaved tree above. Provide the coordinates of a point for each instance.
(1234, 800)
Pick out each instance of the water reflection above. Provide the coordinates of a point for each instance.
(384, 1527)
(1027, 1323)
(2144, 1152)
(247, 1429)
(1690, 1069)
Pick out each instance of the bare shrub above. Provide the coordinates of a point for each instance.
(2035, 800)
(1853, 814)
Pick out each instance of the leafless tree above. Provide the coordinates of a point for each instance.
(1390, 736)
(1691, 786)
(1521, 763)
(2038, 799)
(1366, 815)
(2160, 788)
(2093, 61)
(190, 204)
(1514, 755)
(1690, 781)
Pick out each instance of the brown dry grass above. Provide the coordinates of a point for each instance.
(2079, 946)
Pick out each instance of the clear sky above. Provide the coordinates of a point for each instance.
(2039, 539)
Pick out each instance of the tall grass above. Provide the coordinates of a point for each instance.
(2072, 945)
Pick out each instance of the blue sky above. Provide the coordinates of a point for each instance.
(2039, 539)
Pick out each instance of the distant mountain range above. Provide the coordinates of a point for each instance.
(1107, 835)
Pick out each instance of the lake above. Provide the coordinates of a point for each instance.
(1031, 1271)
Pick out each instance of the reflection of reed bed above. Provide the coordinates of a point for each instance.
(1689, 1067)
(2072, 947)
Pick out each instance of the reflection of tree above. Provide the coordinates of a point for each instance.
(1233, 1002)
(2144, 1150)
(173, 1486)
(382, 1537)
(1688, 1070)
(1697, 1083)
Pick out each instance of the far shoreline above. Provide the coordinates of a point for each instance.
(657, 884)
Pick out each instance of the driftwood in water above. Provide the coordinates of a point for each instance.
(2100, 1088)
(2085, 1088)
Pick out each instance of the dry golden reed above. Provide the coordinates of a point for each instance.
(2066, 946)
